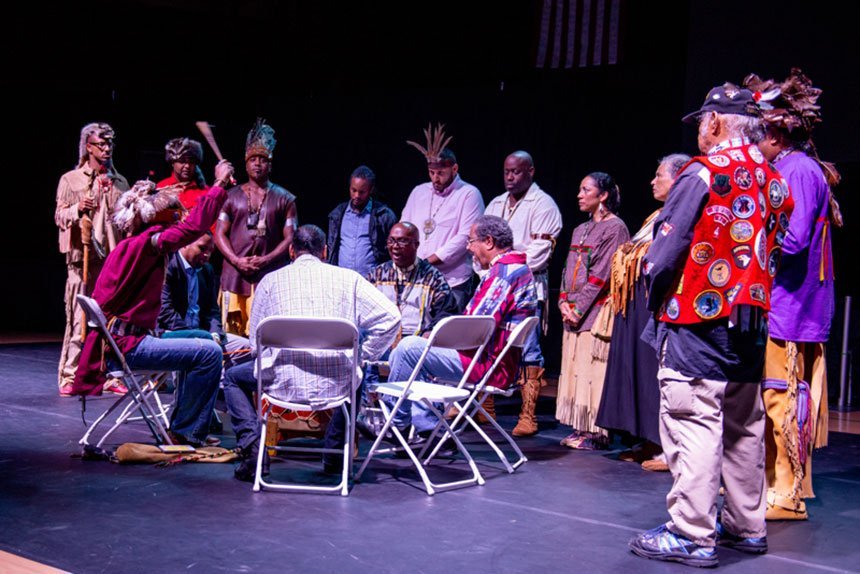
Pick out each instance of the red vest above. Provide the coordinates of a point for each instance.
(737, 241)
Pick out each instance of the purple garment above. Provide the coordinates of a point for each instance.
(802, 304)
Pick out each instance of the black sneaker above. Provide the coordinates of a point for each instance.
(662, 544)
(748, 545)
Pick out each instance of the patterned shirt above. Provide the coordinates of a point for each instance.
(311, 288)
(421, 293)
(506, 293)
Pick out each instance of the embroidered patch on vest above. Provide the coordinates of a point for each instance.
(722, 214)
(722, 184)
(702, 252)
(742, 255)
(757, 293)
(719, 273)
(760, 177)
(708, 304)
(762, 204)
(783, 221)
(755, 154)
(779, 238)
(743, 179)
(673, 309)
(760, 248)
(775, 194)
(743, 206)
(719, 160)
(741, 231)
(732, 293)
(773, 261)
(737, 155)
(770, 223)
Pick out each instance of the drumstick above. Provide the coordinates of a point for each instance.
(206, 130)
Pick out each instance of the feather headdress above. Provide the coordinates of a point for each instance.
(260, 141)
(436, 144)
(789, 105)
(142, 205)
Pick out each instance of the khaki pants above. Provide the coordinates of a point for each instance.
(712, 430)
(236, 312)
(72, 344)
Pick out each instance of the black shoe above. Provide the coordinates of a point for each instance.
(333, 465)
(364, 429)
(246, 469)
(748, 545)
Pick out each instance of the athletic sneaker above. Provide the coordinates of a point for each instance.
(662, 544)
(748, 545)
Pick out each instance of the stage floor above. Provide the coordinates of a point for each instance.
(562, 511)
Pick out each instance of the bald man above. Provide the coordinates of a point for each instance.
(535, 221)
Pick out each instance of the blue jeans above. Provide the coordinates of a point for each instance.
(532, 354)
(239, 384)
(199, 364)
(443, 364)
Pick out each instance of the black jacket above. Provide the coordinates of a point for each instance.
(174, 298)
(381, 221)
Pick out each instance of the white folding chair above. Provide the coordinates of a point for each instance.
(142, 387)
(459, 333)
(308, 334)
(480, 391)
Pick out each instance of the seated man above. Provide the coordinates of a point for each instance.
(129, 292)
(189, 300)
(310, 288)
(507, 293)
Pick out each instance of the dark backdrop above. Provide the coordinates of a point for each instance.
(345, 84)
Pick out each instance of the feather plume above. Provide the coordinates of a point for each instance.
(261, 140)
(436, 142)
(141, 204)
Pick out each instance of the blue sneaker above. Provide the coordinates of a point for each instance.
(662, 544)
(748, 545)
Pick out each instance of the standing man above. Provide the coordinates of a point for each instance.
(535, 221)
(709, 271)
(358, 228)
(444, 209)
(185, 156)
(307, 288)
(254, 230)
(85, 199)
(803, 298)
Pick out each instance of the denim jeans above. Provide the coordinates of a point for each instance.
(532, 354)
(239, 384)
(444, 364)
(198, 362)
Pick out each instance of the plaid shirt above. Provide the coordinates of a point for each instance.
(311, 288)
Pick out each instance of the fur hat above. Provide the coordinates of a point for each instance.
(178, 149)
(260, 141)
(143, 205)
(99, 129)
(790, 105)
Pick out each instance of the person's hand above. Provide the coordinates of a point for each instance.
(85, 204)
(245, 265)
(223, 173)
(568, 317)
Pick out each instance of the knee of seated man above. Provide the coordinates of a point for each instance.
(409, 349)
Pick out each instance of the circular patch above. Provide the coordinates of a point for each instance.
(708, 304)
(673, 309)
(762, 204)
(742, 255)
(760, 248)
(757, 293)
(783, 221)
(773, 261)
(719, 273)
(775, 194)
(741, 231)
(760, 177)
(719, 160)
(743, 206)
(755, 154)
(701, 253)
(742, 178)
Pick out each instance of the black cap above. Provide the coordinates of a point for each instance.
(726, 99)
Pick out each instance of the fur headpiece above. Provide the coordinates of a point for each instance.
(95, 129)
(142, 205)
(790, 105)
(183, 148)
(260, 141)
(436, 144)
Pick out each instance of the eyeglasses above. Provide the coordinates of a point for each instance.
(399, 241)
(104, 144)
(471, 241)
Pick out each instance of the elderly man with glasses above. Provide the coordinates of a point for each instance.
(85, 199)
